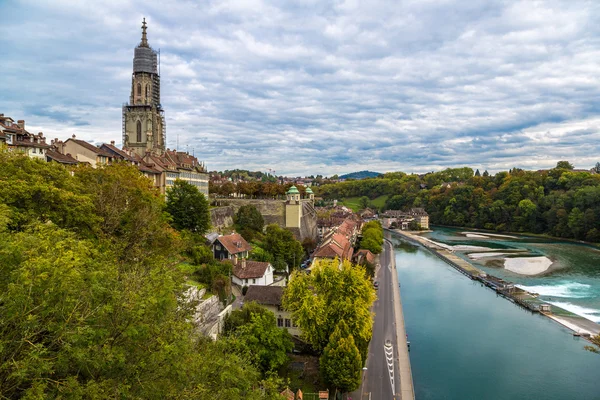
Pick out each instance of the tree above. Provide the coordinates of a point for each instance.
(130, 208)
(596, 345)
(263, 342)
(596, 168)
(372, 237)
(564, 165)
(286, 250)
(35, 190)
(363, 202)
(188, 207)
(341, 362)
(249, 221)
(331, 293)
(477, 173)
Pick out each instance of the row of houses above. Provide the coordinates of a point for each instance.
(162, 168)
(403, 219)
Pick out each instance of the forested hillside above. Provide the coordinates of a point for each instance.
(559, 202)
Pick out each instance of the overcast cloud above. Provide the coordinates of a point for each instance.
(314, 87)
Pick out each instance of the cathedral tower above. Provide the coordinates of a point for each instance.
(143, 117)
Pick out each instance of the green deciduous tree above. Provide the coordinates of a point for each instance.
(363, 202)
(130, 210)
(35, 190)
(249, 221)
(372, 237)
(249, 217)
(263, 342)
(328, 295)
(341, 362)
(564, 165)
(188, 207)
(286, 250)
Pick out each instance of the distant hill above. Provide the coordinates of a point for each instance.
(360, 175)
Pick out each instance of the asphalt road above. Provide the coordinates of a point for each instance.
(382, 380)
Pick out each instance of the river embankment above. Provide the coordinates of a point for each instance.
(528, 300)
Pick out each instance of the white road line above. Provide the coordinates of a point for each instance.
(389, 358)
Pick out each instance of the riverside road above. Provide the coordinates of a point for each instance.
(388, 374)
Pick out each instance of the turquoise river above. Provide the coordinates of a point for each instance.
(468, 343)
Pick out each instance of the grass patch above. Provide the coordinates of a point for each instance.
(354, 202)
(187, 268)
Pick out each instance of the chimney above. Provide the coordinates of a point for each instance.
(243, 263)
(73, 136)
(21, 123)
(234, 260)
(112, 142)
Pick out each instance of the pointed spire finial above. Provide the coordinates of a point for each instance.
(144, 38)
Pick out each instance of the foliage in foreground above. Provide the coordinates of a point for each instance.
(91, 305)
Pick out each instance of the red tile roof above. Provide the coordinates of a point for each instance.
(366, 255)
(234, 243)
(334, 245)
(247, 269)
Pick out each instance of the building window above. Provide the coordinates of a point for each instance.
(288, 323)
(33, 150)
(139, 131)
(146, 92)
(139, 89)
(253, 280)
(280, 322)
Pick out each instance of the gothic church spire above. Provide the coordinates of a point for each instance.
(144, 42)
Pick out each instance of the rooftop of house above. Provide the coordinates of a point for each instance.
(61, 158)
(90, 147)
(234, 243)
(247, 269)
(265, 295)
(111, 148)
(364, 253)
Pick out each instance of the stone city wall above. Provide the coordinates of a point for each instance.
(273, 211)
(221, 217)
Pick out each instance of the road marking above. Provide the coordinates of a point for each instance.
(389, 358)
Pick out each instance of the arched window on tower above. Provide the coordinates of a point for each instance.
(139, 131)
(139, 89)
(147, 90)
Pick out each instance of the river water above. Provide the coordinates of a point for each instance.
(572, 282)
(468, 343)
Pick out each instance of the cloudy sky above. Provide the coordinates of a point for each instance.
(315, 87)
